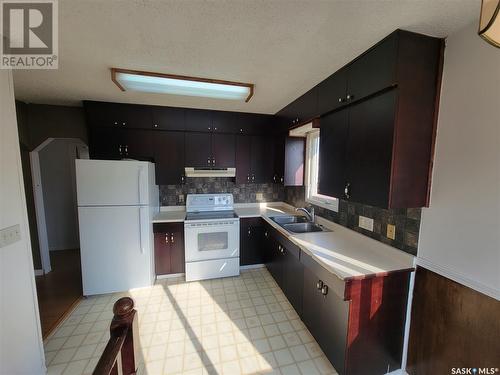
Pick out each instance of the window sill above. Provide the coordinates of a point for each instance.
(332, 205)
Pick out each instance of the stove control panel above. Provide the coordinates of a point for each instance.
(209, 202)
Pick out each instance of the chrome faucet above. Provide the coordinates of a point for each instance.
(309, 212)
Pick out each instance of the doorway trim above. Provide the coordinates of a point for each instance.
(41, 224)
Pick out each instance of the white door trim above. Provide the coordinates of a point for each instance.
(39, 204)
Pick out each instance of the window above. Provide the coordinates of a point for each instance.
(312, 170)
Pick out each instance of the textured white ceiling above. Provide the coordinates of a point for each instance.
(284, 47)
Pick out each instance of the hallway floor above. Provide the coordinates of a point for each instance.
(237, 325)
(60, 289)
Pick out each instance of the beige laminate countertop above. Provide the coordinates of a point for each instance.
(342, 251)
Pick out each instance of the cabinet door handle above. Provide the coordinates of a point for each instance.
(340, 100)
(209, 128)
(116, 122)
(215, 129)
(126, 150)
(350, 97)
(347, 190)
(274, 178)
(324, 290)
(282, 179)
(253, 178)
(182, 179)
(171, 237)
(319, 285)
(249, 231)
(124, 123)
(166, 238)
(213, 161)
(266, 234)
(208, 161)
(155, 125)
(120, 150)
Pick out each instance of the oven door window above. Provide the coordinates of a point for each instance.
(213, 241)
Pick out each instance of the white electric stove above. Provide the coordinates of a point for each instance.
(212, 237)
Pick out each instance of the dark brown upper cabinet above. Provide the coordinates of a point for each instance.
(168, 149)
(118, 115)
(332, 153)
(199, 120)
(209, 150)
(224, 122)
(332, 92)
(198, 149)
(168, 118)
(254, 159)
(376, 69)
(223, 150)
(378, 150)
(301, 110)
(115, 144)
(279, 158)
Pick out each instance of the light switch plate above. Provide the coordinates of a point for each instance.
(10, 235)
(366, 223)
(391, 231)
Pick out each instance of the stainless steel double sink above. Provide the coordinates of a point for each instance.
(297, 224)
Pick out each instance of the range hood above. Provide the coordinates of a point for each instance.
(210, 172)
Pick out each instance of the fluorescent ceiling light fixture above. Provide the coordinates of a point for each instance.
(160, 83)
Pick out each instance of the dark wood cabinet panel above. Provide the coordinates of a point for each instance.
(333, 156)
(168, 149)
(177, 260)
(118, 115)
(374, 70)
(311, 302)
(243, 159)
(332, 92)
(225, 122)
(251, 238)
(168, 118)
(137, 144)
(371, 128)
(223, 150)
(295, 149)
(301, 110)
(104, 144)
(279, 158)
(162, 253)
(262, 159)
(198, 120)
(169, 248)
(198, 149)
(293, 276)
(452, 325)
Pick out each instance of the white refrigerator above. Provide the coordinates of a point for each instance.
(116, 204)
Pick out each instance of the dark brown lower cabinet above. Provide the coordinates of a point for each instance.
(283, 262)
(358, 323)
(251, 235)
(169, 248)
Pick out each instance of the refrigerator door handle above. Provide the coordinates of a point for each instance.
(141, 185)
(142, 211)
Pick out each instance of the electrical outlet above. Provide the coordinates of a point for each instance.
(181, 198)
(259, 196)
(10, 235)
(366, 223)
(391, 231)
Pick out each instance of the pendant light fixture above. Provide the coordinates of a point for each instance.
(489, 22)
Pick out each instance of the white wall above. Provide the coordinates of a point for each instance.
(21, 349)
(460, 232)
(57, 167)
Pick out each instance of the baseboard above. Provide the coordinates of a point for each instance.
(39, 273)
(252, 266)
(169, 276)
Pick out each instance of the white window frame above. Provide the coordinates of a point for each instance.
(312, 163)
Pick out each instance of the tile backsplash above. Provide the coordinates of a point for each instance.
(407, 221)
(175, 195)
